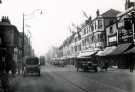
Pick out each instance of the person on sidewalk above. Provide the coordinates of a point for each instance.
(131, 63)
(4, 78)
(77, 65)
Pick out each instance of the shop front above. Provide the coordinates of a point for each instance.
(114, 55)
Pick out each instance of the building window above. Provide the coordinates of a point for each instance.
(75, 48)
(95, 25)
(84, 31)
(92, 28)
(79, 47)
(99, 24)
(111, 30)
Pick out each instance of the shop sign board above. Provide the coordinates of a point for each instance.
(112, 35)
(125, 36)
(99, 44)
(112, 40)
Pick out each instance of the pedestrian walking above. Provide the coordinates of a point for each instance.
(4, 78)
(131, 66)
(77, 65)
(106, 65)
(131, 63)
(19, 67)
(10, 64)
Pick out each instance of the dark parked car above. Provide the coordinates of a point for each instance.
(32, 66)
(86, 64)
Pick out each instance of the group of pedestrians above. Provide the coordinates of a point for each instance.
(7, 65)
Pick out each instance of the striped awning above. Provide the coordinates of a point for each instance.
(114, 50)
(86, 54)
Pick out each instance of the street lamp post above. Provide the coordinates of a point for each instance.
(23, 43)
(23, 40)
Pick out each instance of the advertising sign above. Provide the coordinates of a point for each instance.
(112, 35)
(125, 36)
(112, 40)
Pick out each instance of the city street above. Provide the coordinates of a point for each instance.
(66, 79)
(48, 36)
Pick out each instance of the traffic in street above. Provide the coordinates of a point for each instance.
(46, 46)
(67, 79)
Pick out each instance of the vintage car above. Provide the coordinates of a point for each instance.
(86, 64)
(31, 66)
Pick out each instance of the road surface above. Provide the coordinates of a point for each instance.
(66, 79)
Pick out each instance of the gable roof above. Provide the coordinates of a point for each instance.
(111, 13)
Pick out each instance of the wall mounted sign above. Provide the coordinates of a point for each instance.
(125, 36)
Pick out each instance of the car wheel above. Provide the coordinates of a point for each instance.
(96, 69)
(39, 74)
(85, 70)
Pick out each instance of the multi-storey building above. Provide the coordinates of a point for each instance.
(120, 39)
(9, 37)
(106, 36)
(93, 32)
(89, 37)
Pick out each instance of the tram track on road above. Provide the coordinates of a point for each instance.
(72, 83)
(107, 85)
(90, 80)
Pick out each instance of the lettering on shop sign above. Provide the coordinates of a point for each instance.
(112, 40)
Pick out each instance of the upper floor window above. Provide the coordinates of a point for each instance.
(84, 31)
(87, 29)
(100, 25)
(111, 30)
(92, 27)
(95, 25)
(79, 47)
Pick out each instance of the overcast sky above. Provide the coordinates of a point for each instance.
(51, 28)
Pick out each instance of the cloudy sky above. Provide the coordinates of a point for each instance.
(52, 27)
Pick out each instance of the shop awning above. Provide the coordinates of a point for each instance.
(114, 50)
(86, 54)
(106, 51)
(130, 51)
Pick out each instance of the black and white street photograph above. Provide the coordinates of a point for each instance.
(67, 45)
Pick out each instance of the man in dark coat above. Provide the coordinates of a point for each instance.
(131, 63)
(3, 70)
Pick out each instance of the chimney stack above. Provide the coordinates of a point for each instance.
(98, 12)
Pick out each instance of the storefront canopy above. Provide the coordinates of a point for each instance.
(106, 51)
(130, 51)
(86, 54)
(114, 50)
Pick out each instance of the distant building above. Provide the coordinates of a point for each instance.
(9, 37)
(109, 37)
